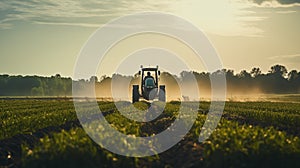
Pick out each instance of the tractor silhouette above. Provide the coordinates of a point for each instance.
(149, 86)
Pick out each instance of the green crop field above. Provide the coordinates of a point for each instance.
(47, 133)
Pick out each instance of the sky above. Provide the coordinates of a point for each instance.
(44, 37)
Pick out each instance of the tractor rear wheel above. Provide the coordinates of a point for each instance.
(162, 93)
(135, 93)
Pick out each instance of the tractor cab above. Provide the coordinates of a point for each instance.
(149, 82)
(149, 85)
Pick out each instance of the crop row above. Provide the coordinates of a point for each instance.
(232, 144)
(28, 119)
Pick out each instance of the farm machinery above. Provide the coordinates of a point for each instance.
(149, 88)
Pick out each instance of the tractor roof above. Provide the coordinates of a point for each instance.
(149, 69)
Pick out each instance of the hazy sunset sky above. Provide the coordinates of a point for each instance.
(44, 37)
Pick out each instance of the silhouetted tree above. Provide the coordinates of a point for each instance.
(244, 74)
(255, 72)
(277, 80)
(278, 70)
(93, 79)
(293, 75)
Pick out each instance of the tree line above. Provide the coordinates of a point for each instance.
(35, 86)
(278, 80)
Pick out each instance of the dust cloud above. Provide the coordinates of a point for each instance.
(119, 88)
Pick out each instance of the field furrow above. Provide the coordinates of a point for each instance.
(48, 133)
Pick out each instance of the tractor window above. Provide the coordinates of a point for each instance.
(149, 82)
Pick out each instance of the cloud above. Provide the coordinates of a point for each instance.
(70, 12)
(69, 24)
(237, 16)
(279, 1)
(292, 58)
(288, 1)
(87, 13)
(286, 12)
(276, 3)
(5, 25)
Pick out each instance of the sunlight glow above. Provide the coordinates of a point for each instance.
(221, 17)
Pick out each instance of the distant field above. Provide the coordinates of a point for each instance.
(295, 98)
(46, 133)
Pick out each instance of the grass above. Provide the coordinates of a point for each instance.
(36, 133)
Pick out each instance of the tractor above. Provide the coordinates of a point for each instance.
(149, 86)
